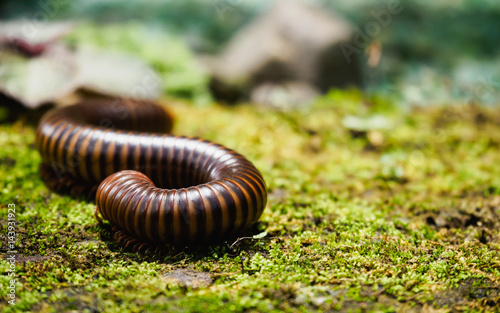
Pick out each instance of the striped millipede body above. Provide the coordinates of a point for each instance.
(211, 191)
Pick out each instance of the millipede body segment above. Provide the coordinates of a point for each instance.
(154, 186)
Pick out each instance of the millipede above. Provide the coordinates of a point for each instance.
(153, 186)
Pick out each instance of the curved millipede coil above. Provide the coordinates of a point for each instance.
(206, 192)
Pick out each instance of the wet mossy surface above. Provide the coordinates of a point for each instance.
(404, 218)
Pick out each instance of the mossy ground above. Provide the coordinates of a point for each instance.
(402, 219)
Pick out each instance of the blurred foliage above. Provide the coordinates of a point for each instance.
(421, 30)
(454, 43)
(180, 72)
(204, 24)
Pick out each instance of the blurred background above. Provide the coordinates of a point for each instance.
(440, 50)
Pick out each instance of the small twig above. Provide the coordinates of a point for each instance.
(237, 242)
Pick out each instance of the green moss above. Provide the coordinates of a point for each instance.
(406, 223)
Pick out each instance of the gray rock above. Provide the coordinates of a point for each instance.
(289, 42)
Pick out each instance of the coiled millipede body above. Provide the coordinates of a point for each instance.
(206, 192)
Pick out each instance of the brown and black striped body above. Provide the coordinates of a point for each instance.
(208, 192)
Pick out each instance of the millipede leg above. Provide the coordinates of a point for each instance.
(66, 184)
(136, 244)
(96, 214)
